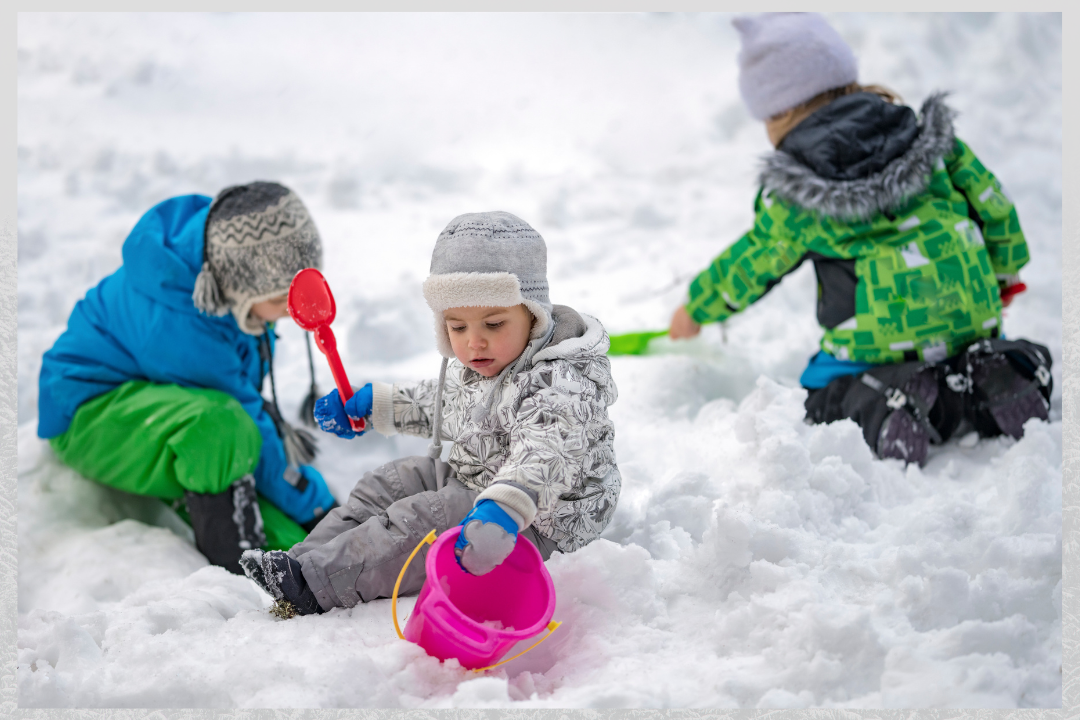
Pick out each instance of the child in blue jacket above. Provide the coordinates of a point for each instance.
(155, 386)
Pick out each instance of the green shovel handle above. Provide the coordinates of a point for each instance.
(635, 343)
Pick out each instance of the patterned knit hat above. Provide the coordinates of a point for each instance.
(788, 58)
(258, 236)
(490, 259)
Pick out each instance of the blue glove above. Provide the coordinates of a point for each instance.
(488, 535)
(333, 417)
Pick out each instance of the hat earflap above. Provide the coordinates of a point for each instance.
(207, 295)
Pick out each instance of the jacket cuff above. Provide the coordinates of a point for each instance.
(382, 408)
(514, 497)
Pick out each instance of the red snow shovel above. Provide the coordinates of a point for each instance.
(311, 305)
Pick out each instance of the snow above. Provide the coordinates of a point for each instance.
(754, 561)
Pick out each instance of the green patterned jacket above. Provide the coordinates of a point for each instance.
(907, 259)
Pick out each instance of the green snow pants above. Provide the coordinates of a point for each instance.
(161, 440)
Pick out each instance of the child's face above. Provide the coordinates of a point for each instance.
(487, 339)
(271, 310)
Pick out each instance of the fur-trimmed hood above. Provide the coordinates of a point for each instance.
(881, 191)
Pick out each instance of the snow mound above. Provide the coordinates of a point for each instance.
(779, 565)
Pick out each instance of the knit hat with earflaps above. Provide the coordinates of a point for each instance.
(258, 236)
(788, 58)
(491, 259)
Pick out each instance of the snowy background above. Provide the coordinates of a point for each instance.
(754, 561)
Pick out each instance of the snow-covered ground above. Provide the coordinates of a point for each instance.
(754, 561)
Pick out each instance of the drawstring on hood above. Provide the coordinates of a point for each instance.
(435, 450)
(307, 407)
(300, 445)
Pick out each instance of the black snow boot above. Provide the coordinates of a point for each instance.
(1010, 384)
(226, 524)
(905, 432)
(903, 437)
(281, 577)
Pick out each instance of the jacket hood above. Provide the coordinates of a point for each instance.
(164, 251)
(859, 156)
(583, 342)
(576, 337)
(853, 136)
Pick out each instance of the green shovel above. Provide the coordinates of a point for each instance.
(633, 343)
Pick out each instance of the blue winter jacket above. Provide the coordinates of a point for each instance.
(140, 323)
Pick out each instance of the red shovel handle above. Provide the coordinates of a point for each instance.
(327, 343)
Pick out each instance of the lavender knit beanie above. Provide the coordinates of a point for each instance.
(788, 58)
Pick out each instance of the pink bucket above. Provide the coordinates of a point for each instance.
(478, 618)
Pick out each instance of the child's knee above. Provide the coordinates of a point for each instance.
(396, 480)
(222, 413)
(218, 445)
(416, 474)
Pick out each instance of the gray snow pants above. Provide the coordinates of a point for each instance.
(356, 552)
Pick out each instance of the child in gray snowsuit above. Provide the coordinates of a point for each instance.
(522, 395)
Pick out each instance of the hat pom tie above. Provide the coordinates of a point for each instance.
(207, 295)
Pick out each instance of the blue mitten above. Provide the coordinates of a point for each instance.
(488, 535)
(333, 416)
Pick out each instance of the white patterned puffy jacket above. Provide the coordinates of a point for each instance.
(545, 432)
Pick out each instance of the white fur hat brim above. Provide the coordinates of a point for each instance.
(473, 289)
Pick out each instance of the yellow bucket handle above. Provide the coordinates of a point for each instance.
(429, 539)
(551, 626)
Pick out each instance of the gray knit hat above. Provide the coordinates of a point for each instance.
(491, 259)
(258, 236)
(788, 58)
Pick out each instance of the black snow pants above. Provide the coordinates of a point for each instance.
(993, 387)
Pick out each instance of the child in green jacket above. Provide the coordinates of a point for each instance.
(914, 242)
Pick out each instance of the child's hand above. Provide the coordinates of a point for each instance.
(488, 535)
(682, 325)
(333, 417)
